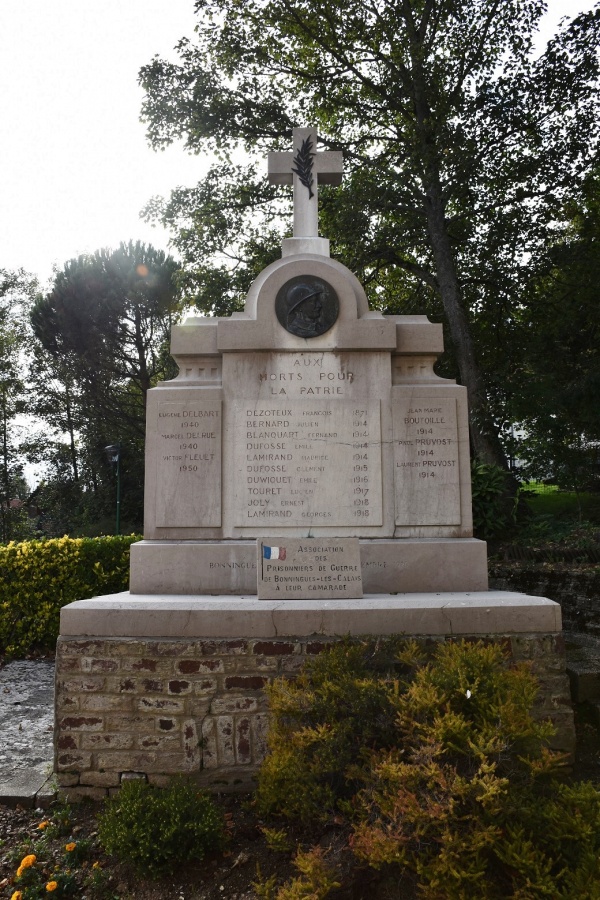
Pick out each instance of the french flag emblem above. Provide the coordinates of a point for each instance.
(273, 552)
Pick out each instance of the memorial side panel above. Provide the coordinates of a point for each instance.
(426, 461)
(314, 462)
(187, 447)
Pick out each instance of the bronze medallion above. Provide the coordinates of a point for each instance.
(307, 306)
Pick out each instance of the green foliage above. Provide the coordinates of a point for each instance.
(102, 334)
(555, 398)
(462, 805)
(317, 879)
(156, 829)
(494, 503)
(462, 146)
(16, 292)
(40, 577)
(321, 723)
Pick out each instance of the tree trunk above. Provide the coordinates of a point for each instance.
(484, 434)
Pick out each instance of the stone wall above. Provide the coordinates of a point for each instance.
(154, 708)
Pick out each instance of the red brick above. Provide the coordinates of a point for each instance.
(144, 665)
(179, 687)
(81, 723)
(273, 648)
(167, 724)
(69, 647)
(316, 647)
(66, 742)
(74, 761)
(193, 666)
(239, 646)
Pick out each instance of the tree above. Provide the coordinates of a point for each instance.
(104, 331)
(555, 397)
(460, 145)
(16, 291)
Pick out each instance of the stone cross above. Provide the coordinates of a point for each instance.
(306, 169)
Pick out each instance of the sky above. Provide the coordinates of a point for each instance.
(75, 166)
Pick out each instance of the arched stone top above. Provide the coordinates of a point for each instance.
(257, 327)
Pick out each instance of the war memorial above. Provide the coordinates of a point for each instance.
(307, 477)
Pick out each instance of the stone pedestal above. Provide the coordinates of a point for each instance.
(161, 685)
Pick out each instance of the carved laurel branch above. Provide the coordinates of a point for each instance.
(303, 161)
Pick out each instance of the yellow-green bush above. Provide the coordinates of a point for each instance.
(433, 775)
(37, 578)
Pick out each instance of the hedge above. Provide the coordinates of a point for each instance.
(37, 578)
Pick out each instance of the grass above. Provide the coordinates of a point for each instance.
(564, 506)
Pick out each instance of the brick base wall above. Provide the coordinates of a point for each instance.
(146, 708)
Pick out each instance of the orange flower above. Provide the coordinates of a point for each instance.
(26, 863)
(70, 847)
(43, 825)
(52, 885)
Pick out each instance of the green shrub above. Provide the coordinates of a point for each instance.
(462, 803)
(40, 577)
(156, 829)
(321, 723)
(494, 503)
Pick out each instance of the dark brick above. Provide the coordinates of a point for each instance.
(145, 665)
(152, 685)
(229, 646)
(179, 687)
(66, 742)
(245, 682)
(189, 666)
(76, 722)
(316, 647)
(272, 648)
(166, 724)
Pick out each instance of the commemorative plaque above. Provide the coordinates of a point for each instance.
(308, 569)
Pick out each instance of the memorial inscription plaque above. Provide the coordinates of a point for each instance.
(188, 445)
(426, 470)
(314, 462)
(308, 569)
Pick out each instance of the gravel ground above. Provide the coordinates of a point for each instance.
(26, 726)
